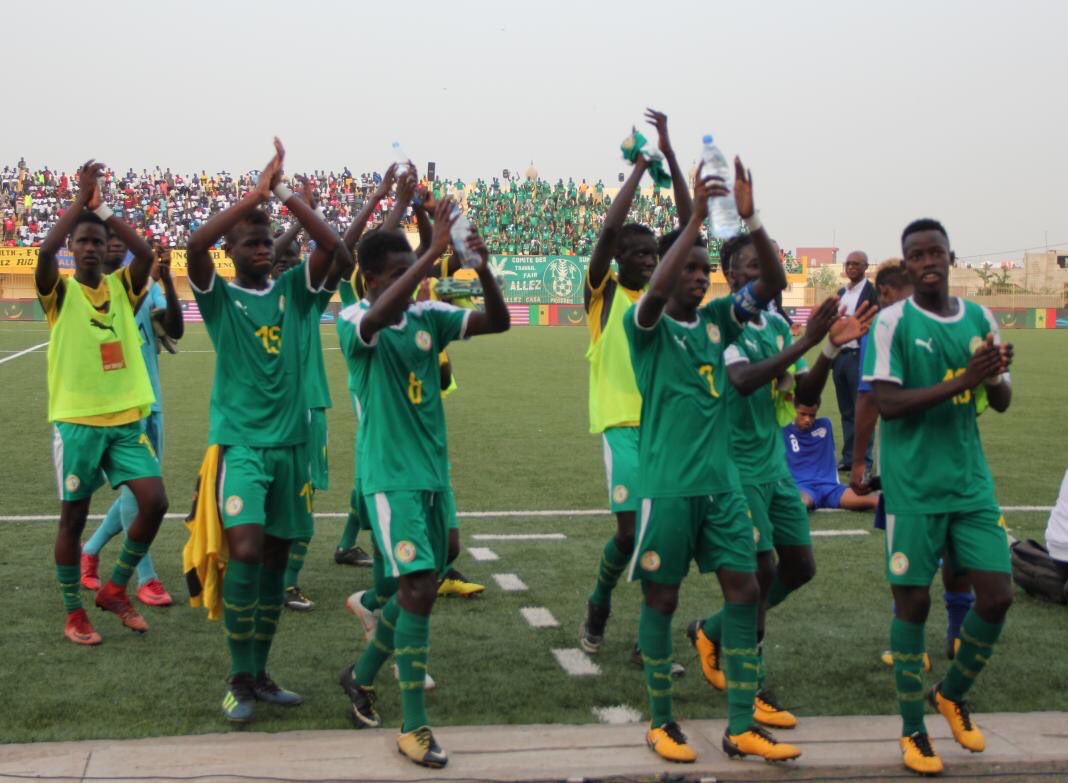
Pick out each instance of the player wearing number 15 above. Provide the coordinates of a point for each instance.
(928, 355)
(405, 476)
(259, 418)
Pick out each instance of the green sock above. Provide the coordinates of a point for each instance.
(713, 628)
(777, 593)
(762, 670)
(380, 648)
(241, 587)
(352, 525)
(268, 610)
(907, 646)
(613, 562)
(654, 638)
(412, 646)
(298, 548)
(741, 664)
(69, 578)
(129, 557)
(977, 638)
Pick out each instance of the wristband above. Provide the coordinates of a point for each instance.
(753, 222)
(282, 191)
(103, 212)
(830, 350)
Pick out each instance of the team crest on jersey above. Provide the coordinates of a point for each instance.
(620, 494)
(72, 483)
(899, 564)
(422, 339)
(713, 333)
(975, 344)
(779, 342)
(650, 561)
(234, 504)
(281, 304)
(405, 551)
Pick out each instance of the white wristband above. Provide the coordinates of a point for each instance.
(753, 222)
(282, 191)
(103, 212)
(830, 350)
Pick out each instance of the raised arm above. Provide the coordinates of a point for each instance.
(679, 185)
(387, 308)
(605, 248)
(495, 318)
(173, 323)
(422, 221)
(844, 329)
(895, 401)
(359, 223)
(406, 183)
(47, 273)
(200, 267)
(772, 275)
(324, 235)
(666, 277)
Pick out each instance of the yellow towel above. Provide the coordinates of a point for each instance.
(205, 553)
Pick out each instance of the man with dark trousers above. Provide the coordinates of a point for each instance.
(846, 367)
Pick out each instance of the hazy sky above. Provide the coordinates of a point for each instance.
(855, 117)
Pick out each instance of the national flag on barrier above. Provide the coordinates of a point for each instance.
(191, 313)
(800, 315)
(520, 314)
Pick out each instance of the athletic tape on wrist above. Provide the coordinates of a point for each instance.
(830, 350)
(753, 222)
(103, 212)
(282, 191)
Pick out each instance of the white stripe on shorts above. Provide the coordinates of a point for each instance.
(57, 458)
(607, 465)
(385, 516)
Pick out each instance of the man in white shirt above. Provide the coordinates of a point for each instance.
(846, 367)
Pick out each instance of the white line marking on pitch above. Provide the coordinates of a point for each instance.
(618, 714)
(482, 553)
(510, 583)
(573, 661)
(519, 537)
(22, 353)
(839, 532)
(538, 617)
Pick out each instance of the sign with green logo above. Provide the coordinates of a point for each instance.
(541, 279)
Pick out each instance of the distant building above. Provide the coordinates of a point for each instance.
(817, 256)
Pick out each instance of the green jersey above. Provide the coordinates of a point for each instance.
(402, 418)
(932, 462)
(680, 370)
(256, 396)
(316, 387)
(756, 440)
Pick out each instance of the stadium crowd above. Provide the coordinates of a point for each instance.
(519, 216)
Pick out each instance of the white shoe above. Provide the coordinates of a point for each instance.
(369, 620)
(428, 683)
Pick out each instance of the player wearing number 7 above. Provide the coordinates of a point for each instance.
(692, 506)
(927, 355)
(258, 417)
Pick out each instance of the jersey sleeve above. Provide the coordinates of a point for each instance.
(297, 285)
(347, 293)
(638, 336)
(211, 300)
(353, 314)
(735, 354)
(447, 321)
(884, 360)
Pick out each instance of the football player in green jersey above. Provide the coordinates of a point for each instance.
(692, 506)
(614, 400)
(927, 358)
(259, 418)
(395, 348)
(757, 364)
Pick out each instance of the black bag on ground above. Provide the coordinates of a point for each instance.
(1037, 573)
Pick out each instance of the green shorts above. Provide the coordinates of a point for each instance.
(779, 516)
(621, 467)
(85, 457)
(357, 509)
(317, 454)
(714, 530)
(266, 486)
(411, 529)
(448, 508)
(974, 541)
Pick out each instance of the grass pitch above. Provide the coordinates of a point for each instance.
(518, 442)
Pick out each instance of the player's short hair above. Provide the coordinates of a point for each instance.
(892, 273)
(730, 249)
(667, 240)
(256, 217)
(86, 216)
(923, 224)
(376, 246)
(629, 232)
(807, 403)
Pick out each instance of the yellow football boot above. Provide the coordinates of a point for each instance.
(957, 715)
(421, 747)
(453, 583)
(755, 741)
(768, 712)
(918, 755)
(670, 743)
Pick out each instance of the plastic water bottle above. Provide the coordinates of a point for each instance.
(460, 231)
(400, 158)
(722, 212)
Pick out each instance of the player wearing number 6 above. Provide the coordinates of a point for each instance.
(259, 418)
(692, 506)
(928, 355)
